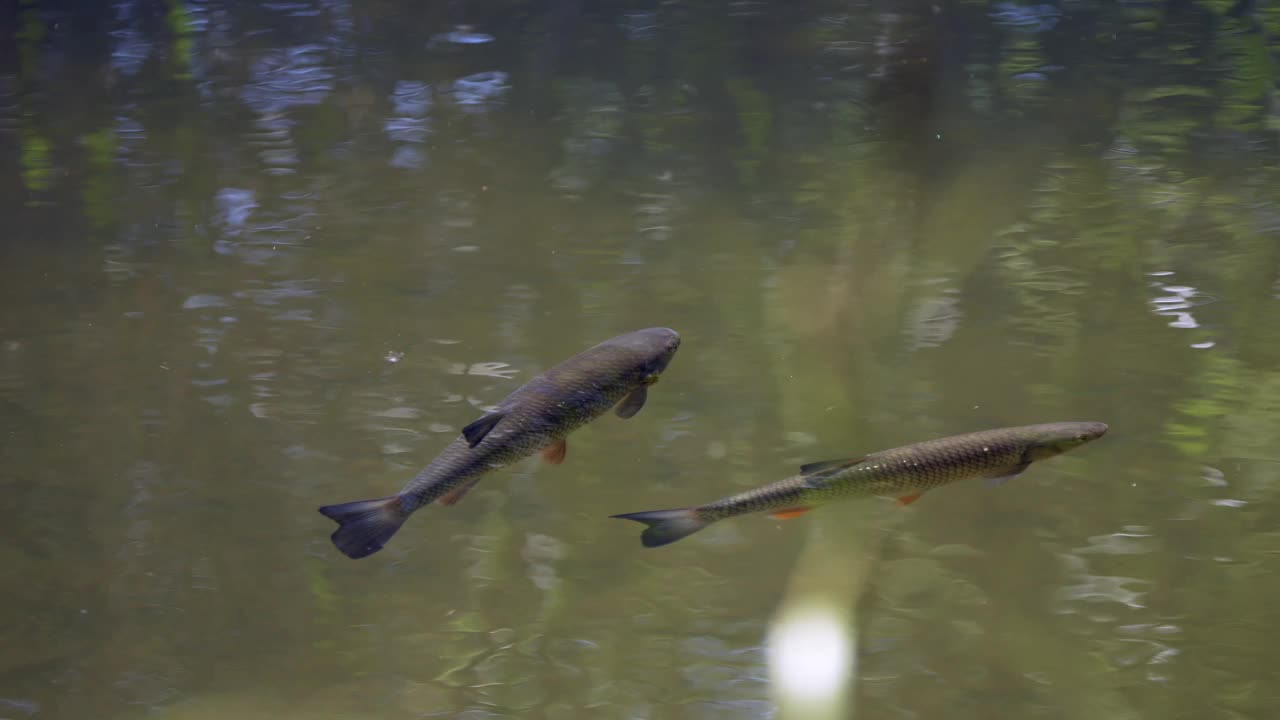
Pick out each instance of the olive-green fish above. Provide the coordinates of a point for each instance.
(905, 472)
(538, 416)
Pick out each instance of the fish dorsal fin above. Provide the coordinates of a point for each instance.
(632, 403)
(825, 466)
(476, 431)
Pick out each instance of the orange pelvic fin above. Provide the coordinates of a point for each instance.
(908, 499)
(454, 496)
(554, 453)
(789, 513)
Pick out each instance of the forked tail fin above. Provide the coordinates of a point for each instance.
(364, 526)
(667, 526)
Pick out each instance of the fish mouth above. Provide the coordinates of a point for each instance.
(663, 343)
(650, 349)
(1079, 433)
(1093, 430)
(666, 337)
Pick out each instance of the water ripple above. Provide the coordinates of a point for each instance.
(462, 35)
(478, 92)
(1176, 302)
(288, 77)
(1035, 18)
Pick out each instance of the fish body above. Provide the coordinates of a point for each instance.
(537, 416)
(905, 473)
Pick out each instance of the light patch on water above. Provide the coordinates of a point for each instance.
(934, 319)
(406, 129)
(1031, 18)
(639, 25)
(461, 35)
(131, 50)
(811, 658)
(284, 78)
(236, 204)
(475, 91)
(541, 553)
(16, 705)
(1135, 542)
(481, 405)
(801, 439)
(1213, 476)
(656, 213)
(1176, 302)
(407, 157)
(399, 412)
(746, 8)
(486, 369)
(1094, 590)
(1104, 588)
(411, 98)
(196, 302)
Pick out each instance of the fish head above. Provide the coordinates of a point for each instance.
(650, 349)
(1056, 438)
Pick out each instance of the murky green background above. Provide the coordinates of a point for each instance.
(260, 257)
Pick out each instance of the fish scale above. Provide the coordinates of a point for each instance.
(903, 472)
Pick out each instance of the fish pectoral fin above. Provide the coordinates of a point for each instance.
(554, 453)
(906, 500)
(632, 403)
(1002, 479)
(789, 513)
(825, 466)
(454, 496)
(476, 431)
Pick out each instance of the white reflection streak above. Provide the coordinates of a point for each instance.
(812, 643)
(812, 655)
(1177, 304)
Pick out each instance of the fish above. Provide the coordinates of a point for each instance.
(537, 417)
(905, 473)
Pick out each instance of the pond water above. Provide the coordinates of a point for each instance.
(262, 257)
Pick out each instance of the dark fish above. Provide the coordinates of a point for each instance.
(905, 472)
(538, 416)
